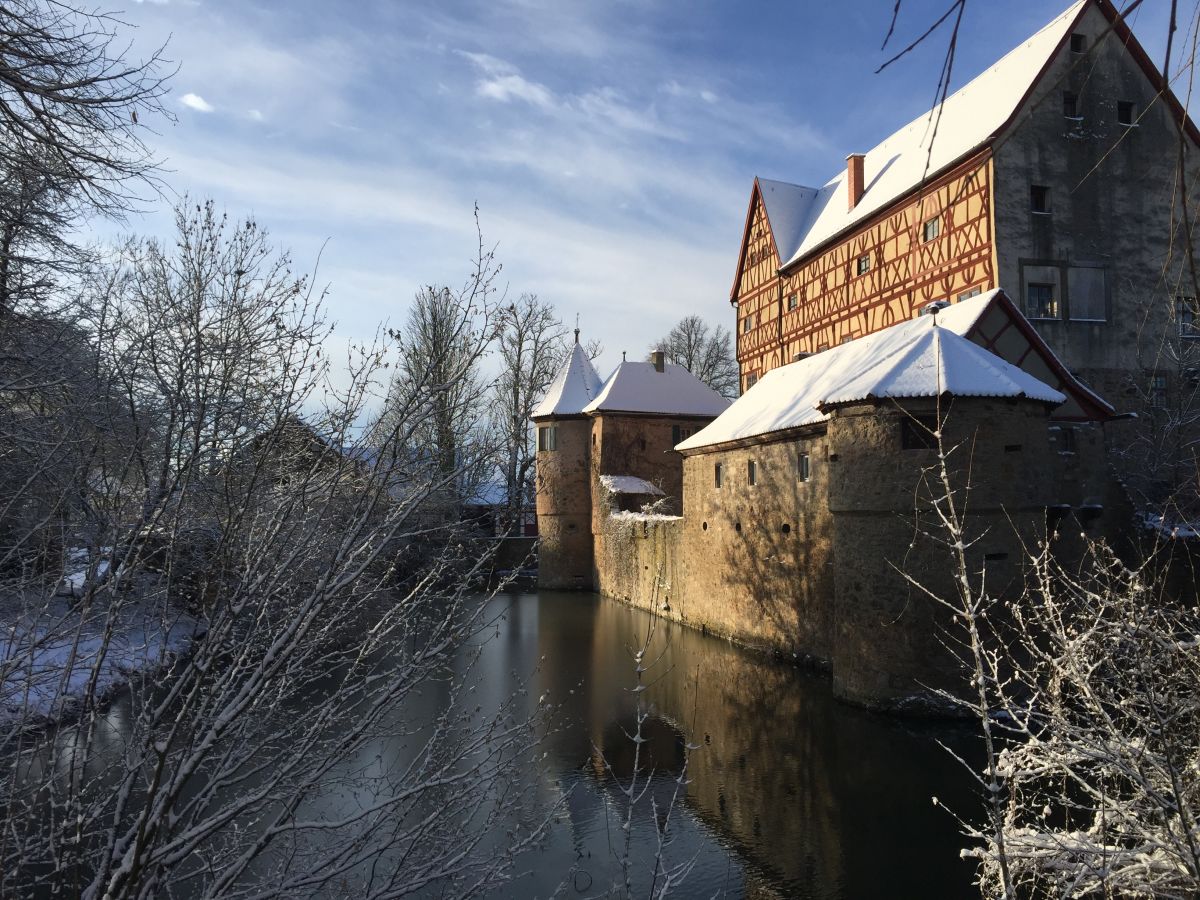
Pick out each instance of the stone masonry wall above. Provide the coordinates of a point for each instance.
(889, 636)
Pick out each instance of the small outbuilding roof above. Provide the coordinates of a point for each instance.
(575, 386)
(918, 358)
(630, 484)
(638, 387)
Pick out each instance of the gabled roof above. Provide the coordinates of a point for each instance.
(993, 321)
(914, 359)
(575, 386)
(965, 122)
(637, 387)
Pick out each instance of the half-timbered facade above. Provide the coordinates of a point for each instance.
(1050, 175)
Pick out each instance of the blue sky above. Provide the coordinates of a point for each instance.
(611, 146)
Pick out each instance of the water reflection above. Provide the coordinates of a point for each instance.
(791, 793)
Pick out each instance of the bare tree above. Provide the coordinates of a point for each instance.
(530, 343)
(705, 352)
(72, 114)
(297, 720)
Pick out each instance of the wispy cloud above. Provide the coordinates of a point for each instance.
(196, 102)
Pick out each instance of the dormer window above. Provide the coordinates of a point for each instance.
(1079, 43)
(1125, 112)
(1070, 105)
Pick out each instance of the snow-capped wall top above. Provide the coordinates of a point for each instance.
(638, 387)
(967, 120)
(575, 386)
(630, 484)
(917, 358)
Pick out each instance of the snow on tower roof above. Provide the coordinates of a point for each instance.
(575, 386)
(804, 218)
(917, 358)
(637, 387)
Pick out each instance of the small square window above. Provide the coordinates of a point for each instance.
(931, 229)
(718, 474)
(793, 301)
(1040, 302)
(1158, 392)
(1070, 105)
(969, 293)
(752, 472)
(863, 264)
(1039, 198)
(1079, 43)
(918, 433)
(547, 438)
(802, 467)
(1125, 112)
(1189, 323)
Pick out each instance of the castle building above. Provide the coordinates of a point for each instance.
(791, 520)
(1054, 174)
(592, 437)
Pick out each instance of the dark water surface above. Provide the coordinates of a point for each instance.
(792, 794)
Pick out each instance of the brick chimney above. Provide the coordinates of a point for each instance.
(660, 360)
(854, 178)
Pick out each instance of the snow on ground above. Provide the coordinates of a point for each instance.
(1169, 527)
(50, 648)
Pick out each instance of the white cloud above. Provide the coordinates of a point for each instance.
(196, 102)
(254, 115)
(509, 87)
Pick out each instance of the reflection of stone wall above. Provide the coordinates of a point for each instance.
(564, 509)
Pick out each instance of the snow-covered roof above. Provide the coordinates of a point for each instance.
(804, 218)
(575, 386)
(637, 387)
(629, 484)
(918, 358)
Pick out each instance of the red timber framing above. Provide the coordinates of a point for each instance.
(904, 267)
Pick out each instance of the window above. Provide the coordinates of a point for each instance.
(863, 264)
(547, 437)
(752, 472)
(802, 467)
(1066, 440)
(1039, 198)
(846, 338)
(792, 301)
(751, 380)
(1070, 105)
(1158, 392)
(718, 474)
(1125, 112)
(747, 323)
(1086, 294)
(1189, 327)
(969, 293)
(918, 433)
(1079, 43)
(1039, 301)
(931, 229)
(680, 433)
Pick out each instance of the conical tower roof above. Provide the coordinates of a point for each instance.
(575, 386)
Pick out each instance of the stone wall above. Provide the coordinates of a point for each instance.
(889, 636)
(638, 560)
(758, 558)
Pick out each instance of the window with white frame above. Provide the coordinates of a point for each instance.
(547, 437)
(931, 229)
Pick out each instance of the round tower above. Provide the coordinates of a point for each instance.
(563, 484)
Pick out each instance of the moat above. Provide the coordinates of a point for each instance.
(792, 793)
